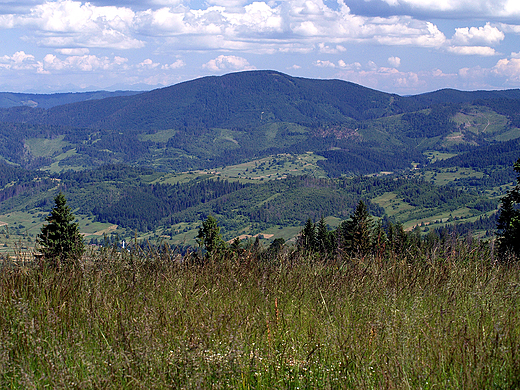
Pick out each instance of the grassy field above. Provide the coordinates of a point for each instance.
(443, 176)
(45, 147)
(446, 318)
(19, 229)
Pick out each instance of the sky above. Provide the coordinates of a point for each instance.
(400, 46)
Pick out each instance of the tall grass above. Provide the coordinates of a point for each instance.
(448, 318)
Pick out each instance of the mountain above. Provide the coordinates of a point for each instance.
(262, 151)
(10, 99)
(237, 99)
(447, 95)
(215, 121)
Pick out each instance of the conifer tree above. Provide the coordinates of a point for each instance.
(209, 236)
(357, 231)
(307, 239)
(380, 240)
(60, 240)
(508, 223)
(323, 238)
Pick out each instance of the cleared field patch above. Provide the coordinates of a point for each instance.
(161, 136)
(18, 231)
(462, 214)
(184, 177)
(443, 176)
(46, 147)
(508, 135)
(108, 230)
(275, 167)
(392, 204)
(481, 120)
(434, 156)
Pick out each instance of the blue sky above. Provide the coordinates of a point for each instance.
(400, 46)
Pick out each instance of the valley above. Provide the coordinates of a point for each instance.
(261, 151)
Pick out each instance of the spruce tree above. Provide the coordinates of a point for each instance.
(508, 223)
(60, 241)
(307, 239)
(209, 236)
(357, 231)
(324, 242)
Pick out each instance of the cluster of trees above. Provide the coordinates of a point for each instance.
(435, 123)
(62, 245)
(143, 207)
(508, 224)
(483, 223)
(361, 160)
(502, 154)
(359, 235)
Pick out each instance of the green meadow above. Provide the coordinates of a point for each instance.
(445, 317)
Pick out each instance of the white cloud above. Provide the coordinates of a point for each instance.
(307, 29)
(324, 64)
(474, 36)
(73, 52)
(72, 23)
(85, 63)
(323, 48)
(472, 50)
(394, 61)
(19, 61)
(372, 65)
(293, 22)
(7, 21)
(409, 32)
(227, 3)
(175, 65)
(148, 64)
(386, 79)
(261, 27)
(508, 68)
(228, 63)
(510, 28)
(353, 66)
(484, 8)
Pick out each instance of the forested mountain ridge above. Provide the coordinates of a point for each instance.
(224, 120)
(236, 99)
(13, 99)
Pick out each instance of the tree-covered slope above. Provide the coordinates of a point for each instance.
(237, 99)
(216, 121)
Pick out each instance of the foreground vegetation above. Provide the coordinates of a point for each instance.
(446, 316)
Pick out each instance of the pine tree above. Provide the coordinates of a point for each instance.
(508, 223)
(60, 241)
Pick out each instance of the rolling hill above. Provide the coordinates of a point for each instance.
(257, 135)
(234, 118)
